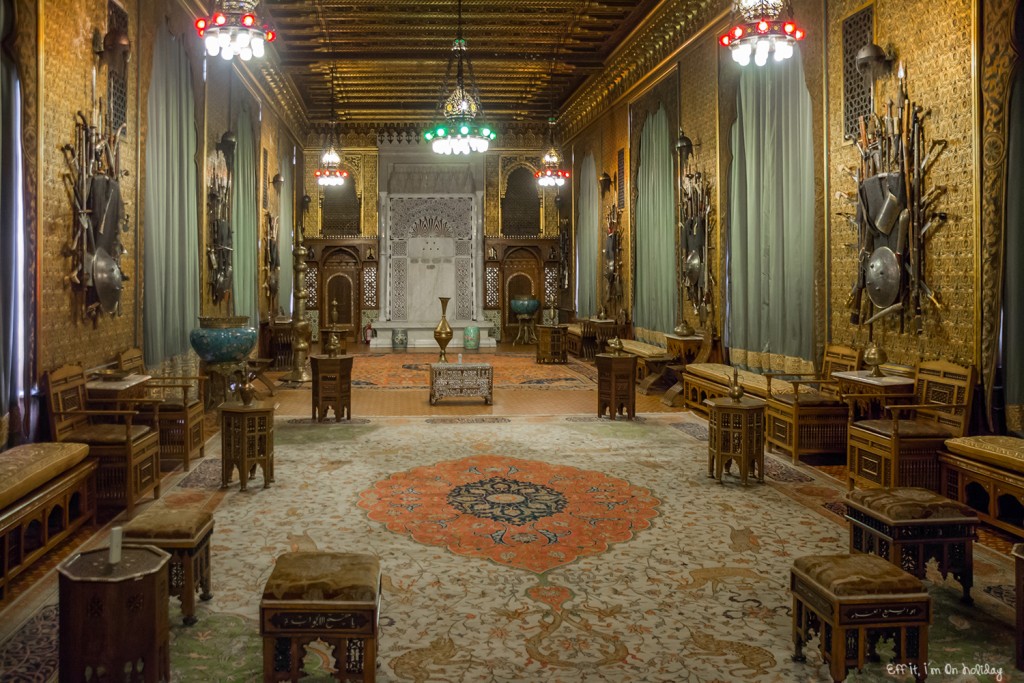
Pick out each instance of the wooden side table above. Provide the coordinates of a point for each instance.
(862, 382)
(332, 386)
(551, 343)
(114, 617)
(247, 440)
(616, 388)
(735, 432)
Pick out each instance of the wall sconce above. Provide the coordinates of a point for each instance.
(605, 182)
(873, 60)
(278, 182)
(306, 202)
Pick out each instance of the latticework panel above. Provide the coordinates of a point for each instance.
(370, 285)
(622, 174)
(858, 31)
(312, 286)
(492, 287)
(520, 207)
(339, 213)
(550, 282)
(117, 79)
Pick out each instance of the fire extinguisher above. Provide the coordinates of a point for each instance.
(368, 332)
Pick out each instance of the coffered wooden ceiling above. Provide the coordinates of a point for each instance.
(385, 61)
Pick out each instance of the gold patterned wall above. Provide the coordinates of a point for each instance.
(934, 41)
(65, 88)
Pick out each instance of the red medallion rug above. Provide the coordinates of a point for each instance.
(521, 513)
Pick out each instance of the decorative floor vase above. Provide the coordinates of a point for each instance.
(223, 339)
(471, 338)
(443, 331)
(399, 339)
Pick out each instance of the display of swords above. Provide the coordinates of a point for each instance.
(92, 180)
(895, 214)
(694, 228)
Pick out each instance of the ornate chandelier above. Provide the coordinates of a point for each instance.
(330, 172)
(458, 108)
(552, 175)
(767, 29)
(234, 30)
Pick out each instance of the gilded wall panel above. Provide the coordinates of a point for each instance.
(934, 42)
(362, 168)
(492, 196)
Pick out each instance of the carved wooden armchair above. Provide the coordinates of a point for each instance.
(128, 454)
(812, 418)
(180, 416)
(902, 450)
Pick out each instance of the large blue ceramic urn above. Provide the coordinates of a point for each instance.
(524, 304)
(223, 339)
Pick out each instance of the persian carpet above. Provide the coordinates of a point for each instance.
(665, 575)
(412, 371)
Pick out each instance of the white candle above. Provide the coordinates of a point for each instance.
(115, 545)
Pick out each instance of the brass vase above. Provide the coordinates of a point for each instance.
(443, 331)
(735, 388)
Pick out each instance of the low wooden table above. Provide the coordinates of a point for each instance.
(114, 617)
(862, 382)
(132, 386)
(552, 343)
(247, 440)
(909, 526)
(735, 432)
(616, 385)
(461, 379)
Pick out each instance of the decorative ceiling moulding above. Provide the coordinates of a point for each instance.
(365, 136)
(664, 33)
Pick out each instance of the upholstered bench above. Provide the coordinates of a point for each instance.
(702, 381)
(851, 601)
(986, 473)
(333, 597)
(185, 535)
(47, 491)
(651, 363)
(909, 526)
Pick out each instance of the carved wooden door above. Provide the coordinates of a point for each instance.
(341, 290)
(521, 275)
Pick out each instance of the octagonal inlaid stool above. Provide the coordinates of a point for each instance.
(330, 597)
(185, 534)
(908, 526)
(851, 601)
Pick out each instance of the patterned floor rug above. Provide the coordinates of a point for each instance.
(665, 575)
(412, 371)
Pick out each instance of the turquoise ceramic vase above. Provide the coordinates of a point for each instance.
(223, 339)
(471, 338)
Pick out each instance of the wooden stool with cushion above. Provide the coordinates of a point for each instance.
(185, 534)
(332, 597)
(851, 601)
(908, 526)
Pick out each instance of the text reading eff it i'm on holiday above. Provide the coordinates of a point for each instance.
(947, 669)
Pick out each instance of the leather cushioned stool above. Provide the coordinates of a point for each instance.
(185, 535)
(331, 597)
(908, 526)
(853, 600)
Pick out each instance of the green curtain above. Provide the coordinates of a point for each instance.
(171, 220)
(245, 216)
(588, 206)
(1013, 285)
(284, 233)
(656, 300)
(770, 314)
(12, 245)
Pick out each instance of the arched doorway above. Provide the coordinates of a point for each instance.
(522, 275)
(340, 289)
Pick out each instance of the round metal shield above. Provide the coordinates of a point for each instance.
(883, 277)
(691, 268)
(108, 280)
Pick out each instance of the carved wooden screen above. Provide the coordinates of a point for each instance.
(339, 214)
(520, 207)
(522, 271)
(341, 290)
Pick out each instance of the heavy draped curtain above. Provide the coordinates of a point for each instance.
(284, 233)
(171, 300)
(12, 245)
(245, 223)
(588, 206)
(655, 302)
(770, 315)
